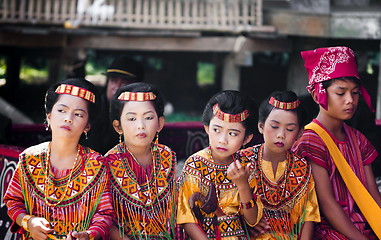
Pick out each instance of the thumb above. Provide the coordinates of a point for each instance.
(248, 166)
(45, 225)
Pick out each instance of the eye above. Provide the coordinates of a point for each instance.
(216, 130)
(233, 134)
(340, 94)
(274, 127)
(131, 119)
(79, 114)
(356, 92)
(149, 118)
(290, 130)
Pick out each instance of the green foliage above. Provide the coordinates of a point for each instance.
(205, 73)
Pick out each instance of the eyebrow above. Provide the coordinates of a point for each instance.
(77, 109)
(134, 113)
(230, 129)
(286, 123)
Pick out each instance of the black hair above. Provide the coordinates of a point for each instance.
(51, 97)
(328, 83)
(282, 96)
(233, 102)
(116, 105)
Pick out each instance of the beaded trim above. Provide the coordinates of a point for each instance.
(284, 105)
(120, 71)
(226, 117)
(76, 91)
(137, 96)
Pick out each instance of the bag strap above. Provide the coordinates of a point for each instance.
(360, 194)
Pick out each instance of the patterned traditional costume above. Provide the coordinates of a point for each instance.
(201, 174)
(312, 147)
(288, 196)
(71, 200)
(144, 199)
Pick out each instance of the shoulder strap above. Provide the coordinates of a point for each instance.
(360, 194)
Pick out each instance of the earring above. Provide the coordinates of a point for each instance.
(46, 126)
(120, 138)
(86, 135)
(157, 138)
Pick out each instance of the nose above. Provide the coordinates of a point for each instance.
(222, 139)
(281, 134)
(141, 124)
(68, 119)
(350, 99)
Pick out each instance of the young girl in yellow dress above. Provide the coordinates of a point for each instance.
(285, 183)
(215, 187)
(143, 172)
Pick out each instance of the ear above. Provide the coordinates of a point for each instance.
(161, 123)
(260, 127)
(88, 127)
(117, 126)
(248, 139)
(314, 97)
(48, 116)
(206, 129)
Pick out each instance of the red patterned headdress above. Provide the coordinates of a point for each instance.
(323, 64)
(76, 91)
(137, 96)
(226, 117)
(284, 105)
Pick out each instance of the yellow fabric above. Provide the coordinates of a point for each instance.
(363, 199)
(195, 179)
(268, 169)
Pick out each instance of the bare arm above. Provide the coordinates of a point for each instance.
(307, 231)
(372, 186)
(329, 207)
(194, 232)
(240, 176)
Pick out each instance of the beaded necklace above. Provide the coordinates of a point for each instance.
(49, 182)
(215, 183)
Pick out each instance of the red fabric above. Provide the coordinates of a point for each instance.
(323, 64)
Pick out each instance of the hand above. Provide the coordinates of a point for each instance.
(261, 228)
(39, 228)
(238, 173)
(78, 236)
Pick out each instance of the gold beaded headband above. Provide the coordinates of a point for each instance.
(284, 105)
(76, 91)
(120, 71)
(226, 117)
(137, 96)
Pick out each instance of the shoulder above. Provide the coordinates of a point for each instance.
(36, 150)
(165, 150)
(91, 154)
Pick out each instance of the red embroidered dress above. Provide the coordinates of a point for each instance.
(289, 199)
(358, 152)
(82, 204)
(144, 199)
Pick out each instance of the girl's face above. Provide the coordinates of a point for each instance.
(225, 138)
(138, 123)
(343, 98)
(69, 117)
(280, 130)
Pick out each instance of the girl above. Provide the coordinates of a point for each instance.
(334, 84)
(60, 187)
(142, 170)
(285, 183)
(215, 185)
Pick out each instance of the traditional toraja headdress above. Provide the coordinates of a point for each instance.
(137, 96)
(76, 91)
(323, 64)
(231, 118)
(284, 105)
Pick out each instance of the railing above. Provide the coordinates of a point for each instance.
(207, 15)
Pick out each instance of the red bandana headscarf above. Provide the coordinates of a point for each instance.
(323, 64)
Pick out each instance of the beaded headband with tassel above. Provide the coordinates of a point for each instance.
(76, 91)
(284, 105)
(231, 118)
(137, 96)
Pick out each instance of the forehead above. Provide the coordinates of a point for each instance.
(350, 84)
(226, 125)
(283, 116)
(71, 101)
(138, 107)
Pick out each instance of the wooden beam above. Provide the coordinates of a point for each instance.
(13, 39)
(198, 44)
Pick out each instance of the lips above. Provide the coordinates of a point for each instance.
(221, 149)
(279, 144)
(66, 127)
(349, 110)
(141, 135)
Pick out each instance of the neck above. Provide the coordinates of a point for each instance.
(221, 160)
(62, 149)
(334, 126)
(273, 157)
(143, 155)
